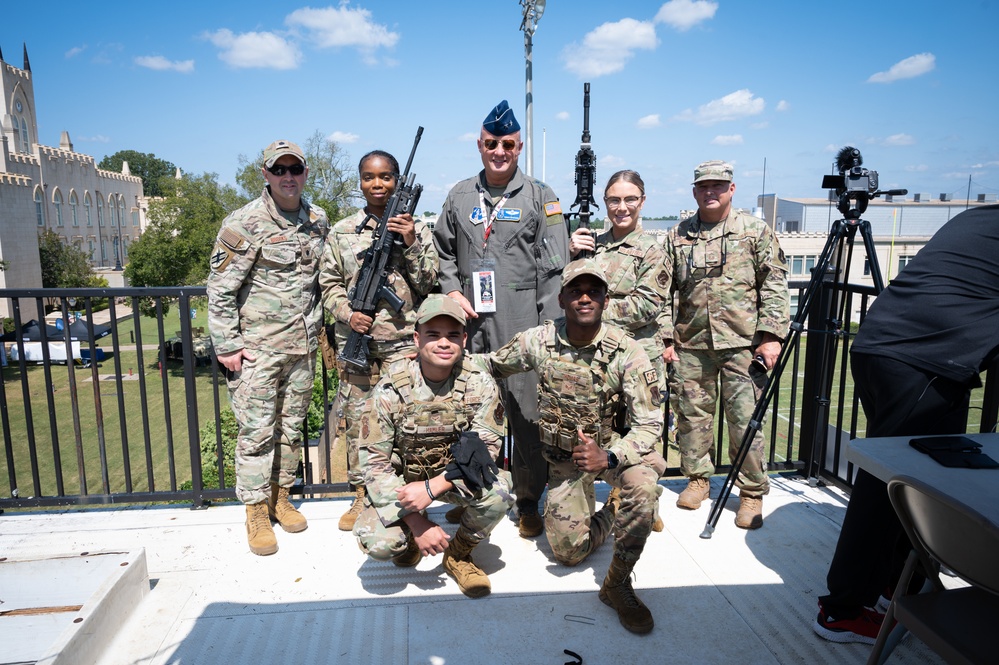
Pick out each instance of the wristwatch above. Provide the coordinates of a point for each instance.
(611, 460)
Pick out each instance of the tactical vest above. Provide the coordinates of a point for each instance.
(570, 396)
(425, 429)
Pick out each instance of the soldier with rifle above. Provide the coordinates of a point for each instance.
(378, 266)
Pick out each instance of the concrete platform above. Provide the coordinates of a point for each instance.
(746, 597)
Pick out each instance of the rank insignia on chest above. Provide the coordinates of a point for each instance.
(476, 217)
(508, 215)
(651, 376)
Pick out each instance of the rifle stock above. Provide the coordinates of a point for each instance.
(372, 281)
(586, 173)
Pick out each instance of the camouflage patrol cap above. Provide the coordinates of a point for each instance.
(713, 170)
(278, 149)
(581, 267)
(437, 305)
(501, 121)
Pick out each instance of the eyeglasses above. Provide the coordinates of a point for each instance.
(280, 169)
(615, 202)
(508, 144)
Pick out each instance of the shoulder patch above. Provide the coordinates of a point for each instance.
(663, 278)
(221, 256)
(651, 377)
(232, 239)
(553, 208)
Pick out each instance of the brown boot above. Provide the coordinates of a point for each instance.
(618, 593)
(530, 525)
(453, 516)
(697, 490)
(259, 533)
(283, 512)
(348, 518)
(750, 515)
(410, 556)
(458, 563)
(613, 503)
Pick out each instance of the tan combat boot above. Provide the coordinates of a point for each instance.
(348, 518)
(283, 512)
(458, 563)
(613, 503)
(618, 593)
(259, 533)
(410, 556)
(697, 490)
(750, 515)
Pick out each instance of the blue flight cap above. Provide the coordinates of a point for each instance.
(500, 121)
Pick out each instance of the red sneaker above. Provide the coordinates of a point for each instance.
(863, 628)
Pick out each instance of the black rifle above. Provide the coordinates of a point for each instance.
(586, 173)
(372, 281)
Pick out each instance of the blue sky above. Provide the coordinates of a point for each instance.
(910, 83)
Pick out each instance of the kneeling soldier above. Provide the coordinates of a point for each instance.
(588, 372)
(433, 431)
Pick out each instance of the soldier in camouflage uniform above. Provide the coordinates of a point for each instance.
(413, 273)
(503, 227)
(588, 372)
(264, 319)
(730, 279)
(409, 437)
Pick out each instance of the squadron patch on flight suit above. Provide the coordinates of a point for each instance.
(663, 278)
(498, 413)
(229, 243)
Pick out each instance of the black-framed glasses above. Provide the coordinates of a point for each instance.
(508, 144)
(280, 169)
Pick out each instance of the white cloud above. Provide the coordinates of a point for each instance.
(911, 67)
(611, 162)
(730, 139)
(985, 165)
(782, 105)
(469, 136)
(265, 50)
(100, 138)
(649, 121)
(336, 27)
(685, 14)
(763, 124)
(899, 139)
(739, 104)
(608, 47)
(75, 51)
(917, 168)
(562, 115)
(343, 137)
(161, 64)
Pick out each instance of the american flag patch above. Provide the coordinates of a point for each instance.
(553, 208)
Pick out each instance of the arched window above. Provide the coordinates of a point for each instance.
(124, 248)
(121, 211)
(25, 141)
(73, 204)
(111, 209)
(57, 202)
(100, 210)
(90, 220)
(104, 251)
(39, 207)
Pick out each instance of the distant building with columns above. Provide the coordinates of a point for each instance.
(46, 187)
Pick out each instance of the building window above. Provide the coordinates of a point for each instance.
(25, 141)
(121, 211)
(90, 248)
(802, 265)
(124, 248)
(100, 210)
(794, 304)
(135, 217)
(111, 211)
(73, 206)
(104, 251)
(904, 259)
(86, 210)
(792, 225)
(57, 202)
(39, 208)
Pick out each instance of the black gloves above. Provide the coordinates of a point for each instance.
(472, 462)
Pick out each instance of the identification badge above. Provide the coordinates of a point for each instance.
(477, 217)
(508, 215)
(484, 285)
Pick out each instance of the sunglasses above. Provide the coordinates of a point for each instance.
(280, 169)
(508, 144)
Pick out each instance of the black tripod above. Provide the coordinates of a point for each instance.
(840, 240)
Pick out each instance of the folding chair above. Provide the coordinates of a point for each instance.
(962, 625)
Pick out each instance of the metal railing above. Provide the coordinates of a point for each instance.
(150, 418)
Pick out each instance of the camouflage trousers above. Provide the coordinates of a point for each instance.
(573, 525)
(482, 513)
(697, 375)
(270, 397)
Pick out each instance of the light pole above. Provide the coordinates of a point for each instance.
(533, 9)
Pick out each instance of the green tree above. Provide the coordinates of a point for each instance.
(147, 166)
(332, 183)
(174, 248)
(63, 265)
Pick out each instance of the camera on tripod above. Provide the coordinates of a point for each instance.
(854, 183)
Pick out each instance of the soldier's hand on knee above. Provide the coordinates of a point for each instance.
(428, 536)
